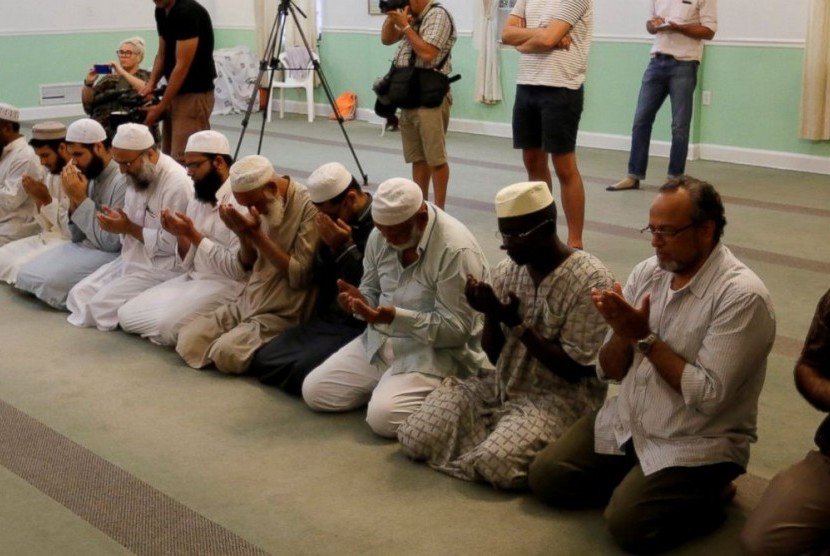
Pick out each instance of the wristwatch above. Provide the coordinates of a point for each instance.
(645, 344)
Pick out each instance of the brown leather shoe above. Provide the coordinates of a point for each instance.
(624, 185)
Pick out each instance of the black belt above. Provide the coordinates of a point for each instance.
(661, 55)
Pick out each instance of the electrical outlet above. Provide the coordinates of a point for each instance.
(706, 98)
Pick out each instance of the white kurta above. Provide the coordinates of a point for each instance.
(17, 210)
(213, 276)
(95, 300)
(53, 220)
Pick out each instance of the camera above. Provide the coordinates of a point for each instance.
(392, 5)
(133, 105)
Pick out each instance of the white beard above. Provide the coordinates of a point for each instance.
(276, 212)
(414, 239)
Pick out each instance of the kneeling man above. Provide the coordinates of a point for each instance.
(206, 250)
(277, 244)
(51, 203)
(344, 223)
(420, 327)
(148, 256)
(541, 331)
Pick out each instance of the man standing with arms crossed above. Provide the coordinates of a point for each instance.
(554, 38)
(185, 59)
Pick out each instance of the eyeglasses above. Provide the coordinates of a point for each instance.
(124, 52)
(192, 166)
(666, 232)
(127, 163)
(521, 235)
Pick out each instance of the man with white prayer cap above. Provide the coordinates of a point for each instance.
(17, 159)
(206, 250)
(277, 242)
(344, 222)
(51, 202)
(420, 328)
(542, 333)
(90, 180)
(148, 252)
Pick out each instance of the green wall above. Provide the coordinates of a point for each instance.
(755, 90)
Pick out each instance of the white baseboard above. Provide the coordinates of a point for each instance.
(719, 153)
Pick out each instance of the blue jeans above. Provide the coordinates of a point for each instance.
(664, 77)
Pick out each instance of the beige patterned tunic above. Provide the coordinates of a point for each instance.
(489, 427)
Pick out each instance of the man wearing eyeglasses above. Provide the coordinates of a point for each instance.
(91, 180)
(206, 250)
(689, 339)
(185, 59)
(148, 252)
(542, 333)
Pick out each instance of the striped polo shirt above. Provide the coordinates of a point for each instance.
(557, 68)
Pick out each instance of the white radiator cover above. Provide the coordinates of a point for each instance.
(60, 93)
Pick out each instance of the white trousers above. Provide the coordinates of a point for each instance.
(347, 380)
(95, 300)
(17, 253)
(159, 312)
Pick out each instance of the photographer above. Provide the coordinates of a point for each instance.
(101, 97)
(425, 29)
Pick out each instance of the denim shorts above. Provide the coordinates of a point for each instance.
(547, 118)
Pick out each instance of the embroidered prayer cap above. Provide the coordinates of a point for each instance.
(396, 201)
(9, 113)
(251, 172)
(327, 182)
(133, 137)
(208, 142)
(49, 131)
(523, 198)
(85, 131)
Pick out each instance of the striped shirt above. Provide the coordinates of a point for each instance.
(435, 27)
(684, 12)
(557, 68)
(722, 324)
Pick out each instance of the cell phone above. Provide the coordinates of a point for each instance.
(101, 69)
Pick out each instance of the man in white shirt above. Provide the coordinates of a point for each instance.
(90, 180)
(553, 39)
(679, 28)
(148, 252)
(17, 209)
(51, 202)
(206, 250)
(689, 339)
(420, 327)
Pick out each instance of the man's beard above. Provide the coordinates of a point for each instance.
(59, 166)
(205, 189)
(414, 239)
(276, 212)
(95, 167)
(145, 177)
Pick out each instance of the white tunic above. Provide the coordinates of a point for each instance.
(53, 220)
(213, 277)
(17, 210)
(95, 300)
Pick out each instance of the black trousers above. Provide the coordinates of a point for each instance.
(286, 360)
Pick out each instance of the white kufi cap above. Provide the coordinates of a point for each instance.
(49, 131)
(523, 198)
(208, 142)
(85, 131)
(9, 113)
(327, 182)
(133, 137)
(251, 172)
(396, 201)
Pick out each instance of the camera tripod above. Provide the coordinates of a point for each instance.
(270, 62)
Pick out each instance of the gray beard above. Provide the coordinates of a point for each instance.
(146, 176)
(414, 240)
(276, 212)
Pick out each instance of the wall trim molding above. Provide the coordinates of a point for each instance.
(699, 151)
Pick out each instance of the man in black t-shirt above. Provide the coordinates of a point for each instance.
(185, 59)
